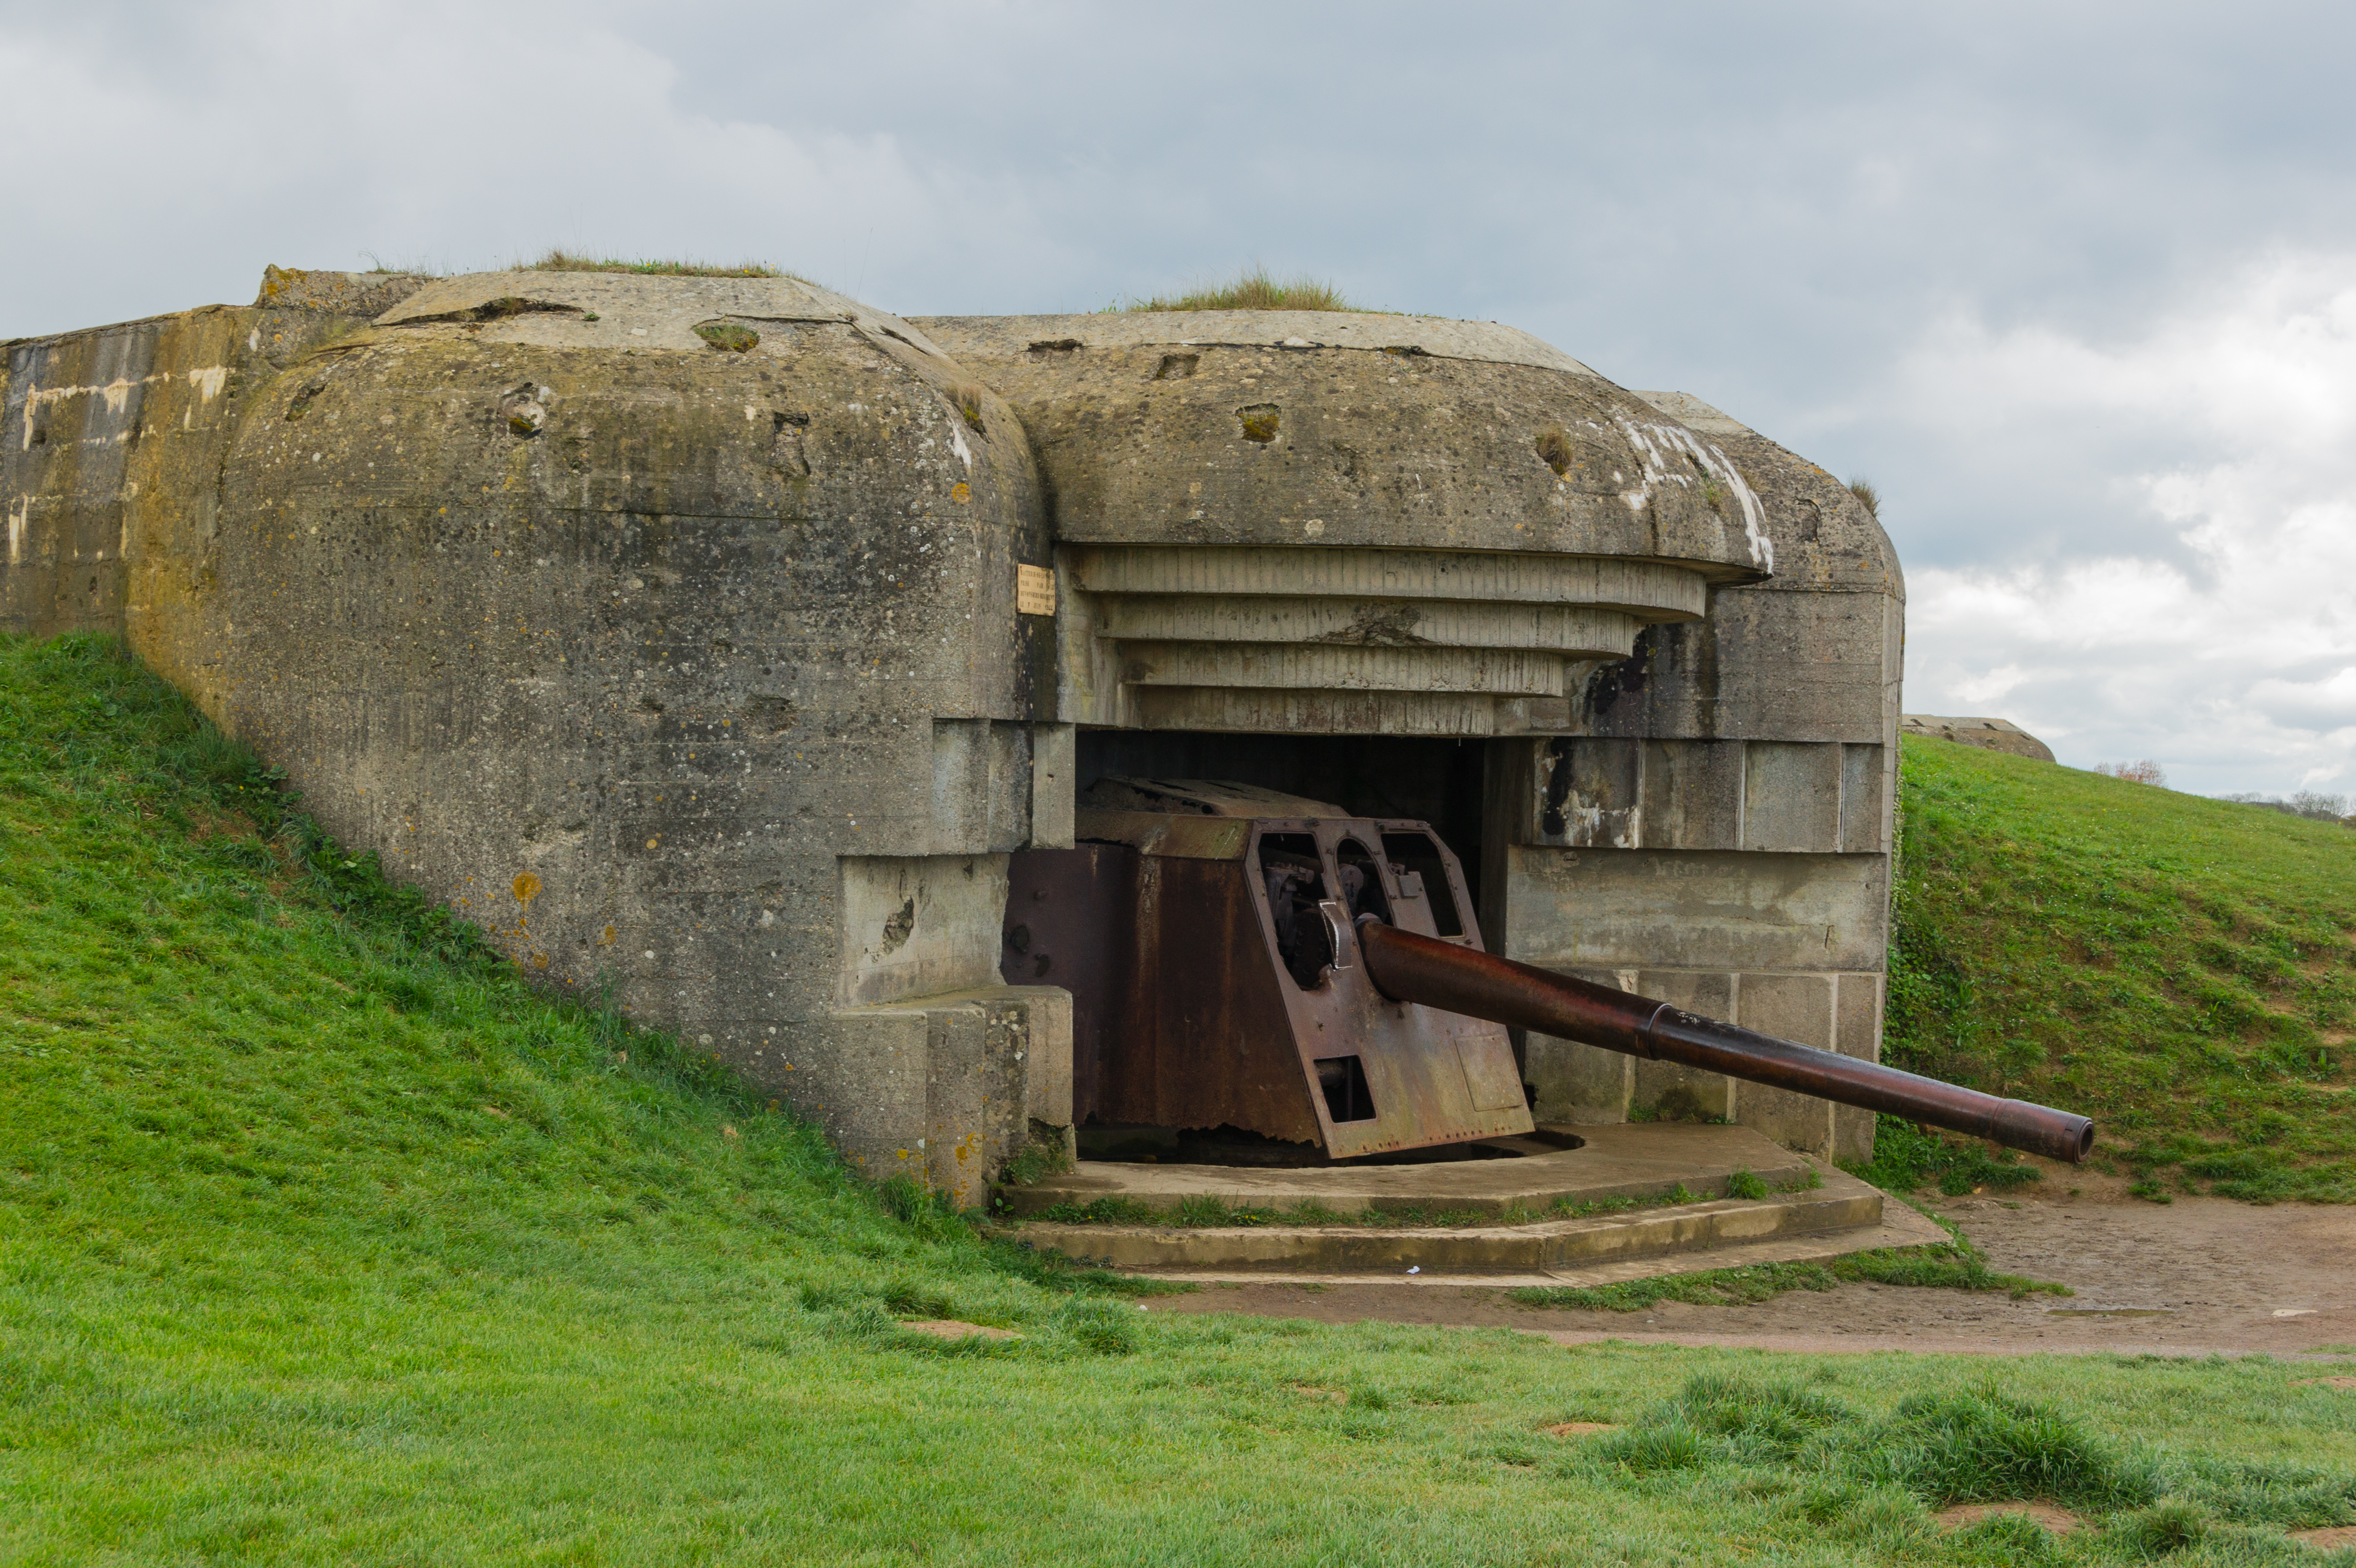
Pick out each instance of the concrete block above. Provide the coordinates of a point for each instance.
(992, 1073)
(1712, 996)
(1857, 1033)
(916, 926)
(1867, 792)
(1656, 909)
(864, 1076)
(1792, 797)
(1591, 793)
(1054, 773)
(982, 787)
(1693, 794)
(1793, 1007)
(1608, 1161)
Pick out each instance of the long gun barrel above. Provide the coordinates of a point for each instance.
(1409, 968)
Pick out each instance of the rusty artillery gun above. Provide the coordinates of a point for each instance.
(1244, 959)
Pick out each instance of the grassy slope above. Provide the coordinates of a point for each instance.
(2181, 970)
(323, 1240)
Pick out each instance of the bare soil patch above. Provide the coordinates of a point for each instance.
(2201, 1274)
(1580, 1428)
(2052, 1515)
(950, 1328)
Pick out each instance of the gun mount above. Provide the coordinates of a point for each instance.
(1239, 957)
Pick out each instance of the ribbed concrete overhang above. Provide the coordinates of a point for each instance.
(1324, 523)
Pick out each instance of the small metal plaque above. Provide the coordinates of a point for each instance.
(1034, 590)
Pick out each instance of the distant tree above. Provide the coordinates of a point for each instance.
(2144, 772)
(2323, 808)
(2306, 803)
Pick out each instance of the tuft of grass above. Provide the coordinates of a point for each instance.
(1908, 1156)
(559, 260)
(1770, 1421)
(1982, 1446)
(1846, 1475)
(2162, 1530)
(1035, 1162)
(1100, 1327)
(968, 397)
(418, 267)
(1255, 288)
(728, 336)
(1864, 490)
(2181, 970)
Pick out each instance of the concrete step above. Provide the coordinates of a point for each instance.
(1842, 1204)
(1818, 1212)
(1636, 1160)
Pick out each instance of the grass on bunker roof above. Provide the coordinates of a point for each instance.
(1255, 288)
(559, 260)
(323, 1239)
(2181, 970)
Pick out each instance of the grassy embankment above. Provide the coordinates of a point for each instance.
(2181, 970)
(324, 1239)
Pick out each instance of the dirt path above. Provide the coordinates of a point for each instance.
(2197, 1276)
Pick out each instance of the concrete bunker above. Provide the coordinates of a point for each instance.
(759, 634)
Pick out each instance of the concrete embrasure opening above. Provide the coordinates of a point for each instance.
(1427, 779)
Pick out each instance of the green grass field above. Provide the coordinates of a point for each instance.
(324, 1239)
(2181, 970)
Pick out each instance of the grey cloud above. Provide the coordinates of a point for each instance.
(1778, 208)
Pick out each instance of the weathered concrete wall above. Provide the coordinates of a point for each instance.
(1332, 523)
(717, 640)
(114, 436)
(1720, 836)
(655, 658)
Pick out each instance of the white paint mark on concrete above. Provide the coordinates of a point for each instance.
(208, 382)
(1655, 443)
(957, 446)
(16, 515)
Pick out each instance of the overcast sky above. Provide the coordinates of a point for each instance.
(2075, 286)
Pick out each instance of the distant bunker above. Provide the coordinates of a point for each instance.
(724, 641)
(1988, 734)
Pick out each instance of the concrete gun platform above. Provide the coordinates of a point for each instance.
(1814, 1211)
(1635, 1160)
